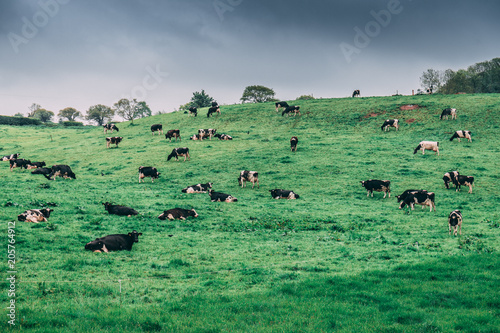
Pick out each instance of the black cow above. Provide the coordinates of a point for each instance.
(281, 105)
(291, 109)
(35, 165)
(193, 110)
(198, 188)
(19, 163)
(462, 134)
(157, 128)
(421, 197)
(41, 171)
(206, 133)
(455, 221)
(213, 109)
(223, 136)
(114, 242)
(115, 140)
(119, 210)
(449, 112)
(178, 213)
(110, 127)
(390, 123)
(293, 143)
(175, 133)
(35, 215)
(215, 104)
(449, 177)
(248, 176)
(176, 152)
(10, 157)
(219, 196)
(60, 170)
(283, 194)
(405, 194)
(356, 93)
(377, 185)
(463, 180)
(148, 172)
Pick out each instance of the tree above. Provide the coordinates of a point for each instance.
(201, 99)
(19, 114)
(43, 115)
(100, 114)
(143, 110)
(69, 113)
(257, 94)
(32, 109)
(431, 80)
(131, 109)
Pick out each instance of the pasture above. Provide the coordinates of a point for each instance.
(334, 260)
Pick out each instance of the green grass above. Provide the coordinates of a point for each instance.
(333, 260)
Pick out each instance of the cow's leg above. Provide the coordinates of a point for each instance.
(104, 248)
(384, 194)
(367, 193)
(189, 157)
(460, 226)
(152, 179)
(470, 188)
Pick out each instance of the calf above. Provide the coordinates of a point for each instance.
(248, 176)
(449, 177)
(377, 185)
(114, 242)
(177, 213)
(206, 133)
(429, 145)
(421, 197)
(291, 109)
(157, 128)
(176, 152)
(223, 136)
(283, 194)
(35, 165)
(462, 134)
(198, 188)
(148, 172)
(173, 134)
(219, 196)
(19, 163)
(193, 111)
(60, 170)
(110, 127)
(293, 143)
(194, 137)
(449, 112)
(35, 215)
(463, 180)
(356, 93)
(10, 157)
(281, 105)
(455, 221)
(115, 140)
(119, 210)
(390, 123)
(213, 109)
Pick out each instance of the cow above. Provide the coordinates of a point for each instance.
(19, 163)
(110, 127)
(455, 221)
(377, 185)
(421, 197)
(281, 105)
(248, 176)
(215, 104)
(193, 110)
(194, 137)
(356, 93)
(157, 128)
(115, 140)
(213, 109)
(390, 123)
(35, 215)
(176, 152)
(177, 213)
(462, 134)
(283, 194)
(175, 133)
(293, 143)
(206, 133)
(219, 196)
(291, 109)
(463, 180)
(429, 145)
(60, 170)
(406, 194)
(41, 171)
(449, 177)
(10, 157)
(35, 165)
(119, 210)
(114, 242)
(449, 112)
(198, 188)
(148, 172)
(223, 136)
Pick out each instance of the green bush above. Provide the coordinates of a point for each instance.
(18, 121)
(71, 123)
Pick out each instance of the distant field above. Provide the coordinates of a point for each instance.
(334, 260)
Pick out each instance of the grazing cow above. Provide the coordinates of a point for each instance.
(115, 140)
(356, 93)
(449, 177)
(215, 104)
(35, 215)
(119, 210)
(176, 152)
(223, 136)
(293, 143)
(281, 105)
(291, 109)
(462, 134)
(405, 194)
(10, 157)
(463, 180)
(283, 194)
(219, 196)
(114, 242)
(35, 165)
(206, 133)
(198, 188)
(429, 145)
(390, 123)
(110, 127)
(421, 197)
(193, 110)
(248, 176)
(19, 163)
(60, 170)
(178, 213)
(41, 171)
(455, 221)
(157, 128)
(213, 109)
(148, 172)
(173, 134)
(449, 112)
(376, 185)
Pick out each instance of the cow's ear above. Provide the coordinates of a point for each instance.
(130, 234)
(139, 234)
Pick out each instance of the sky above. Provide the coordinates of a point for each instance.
(79, 53)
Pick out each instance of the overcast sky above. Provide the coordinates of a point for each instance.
(79, 53)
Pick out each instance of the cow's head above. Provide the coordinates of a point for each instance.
(135, 235)
(46, 212)
(240, 180)
(193, 212)
(162, 216)
(417, 149)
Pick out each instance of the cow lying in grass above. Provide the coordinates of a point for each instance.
(198, 188)
(119, 210)
(283, 194)
(116, 242)
(219, 196)
(35, 215)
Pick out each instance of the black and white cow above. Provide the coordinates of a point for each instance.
(421, 197)
(114, 140)
(60, 170)
(157, 128)
(148, 172)
(193, 111)
(295, 109)
(293, 143)
(223, 136)
(19, 163)
(35, 215)
(455, 221)
(213, 109)
(41, 171)
(175, 133)
(177, 213)
(10, 157)
(406, 193)
(194, 137)
(198, 188)
(215, 104)
(219, 196)
(114, 242)
(429, 145)
(462, 134)
(206, 133)
(110, 127)
(248, 176)
(356, 93)
(35, 165)
(119, 210)
(377, 185)
(390, 123)
(281, 105)
(449, 178)
(176, 152)
(283, 194)
(449, 112)
(463, 180)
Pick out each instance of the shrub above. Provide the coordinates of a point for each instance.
(71, 123)
(18, 121)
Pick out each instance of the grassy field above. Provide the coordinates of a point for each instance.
(334, 260)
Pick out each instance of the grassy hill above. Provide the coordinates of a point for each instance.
(333, 260)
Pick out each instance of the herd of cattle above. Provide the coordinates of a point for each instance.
(125, 241)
